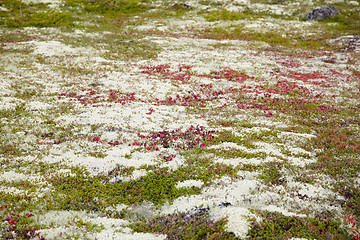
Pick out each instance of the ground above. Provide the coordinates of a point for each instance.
(139, 119)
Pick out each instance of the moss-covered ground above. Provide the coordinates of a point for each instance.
(139, 119)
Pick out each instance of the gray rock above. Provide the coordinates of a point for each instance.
(322, 13)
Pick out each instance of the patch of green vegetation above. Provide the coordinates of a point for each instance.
(235, 153)
(218, 15)
(39, 167)
(272, 38)
(20, 184)
(32, 15)
(22, 201)
(277, 226)
(288, 152)
(82, 192)
(61, 109)
(10, 150)
(121, 170)
(271, 2)
(120, 44)
(340, 146)
(10, 145)
(204, 169)
(79, 191)
(131, 50)
(271, 173)
(186, 226)
(26, 90)
(112, 7)
(88, 226)
(17, 111)
(225, 15)
(304, 176)
(249, 167)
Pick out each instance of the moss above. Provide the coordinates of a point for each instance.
(277, 226)
(271, 174)
(111, 7)
(33, 15)
(204, 169)
(247, 14)
(81, 192)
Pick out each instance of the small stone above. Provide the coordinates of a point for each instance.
(322, 13)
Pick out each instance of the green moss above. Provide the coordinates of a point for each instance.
(219, 15)
(236, 153)
(271, 173)
(10, 150)
(81, 192)
(247, 14)
(112, 7)
(277, 226)
(272, 38)
(204, 169)
(32, 15)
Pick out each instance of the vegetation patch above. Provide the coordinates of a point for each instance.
(277, 226)
(232, 114)
(32, 15)
(197, 225)
(111, 7)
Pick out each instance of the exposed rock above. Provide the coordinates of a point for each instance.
(181, 6)
(322, 13)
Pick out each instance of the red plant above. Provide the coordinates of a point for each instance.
(91, 97)
(228, 74)
(353, 227)
(195, 136)
(16, 226)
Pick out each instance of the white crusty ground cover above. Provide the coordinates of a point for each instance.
(93, 119)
